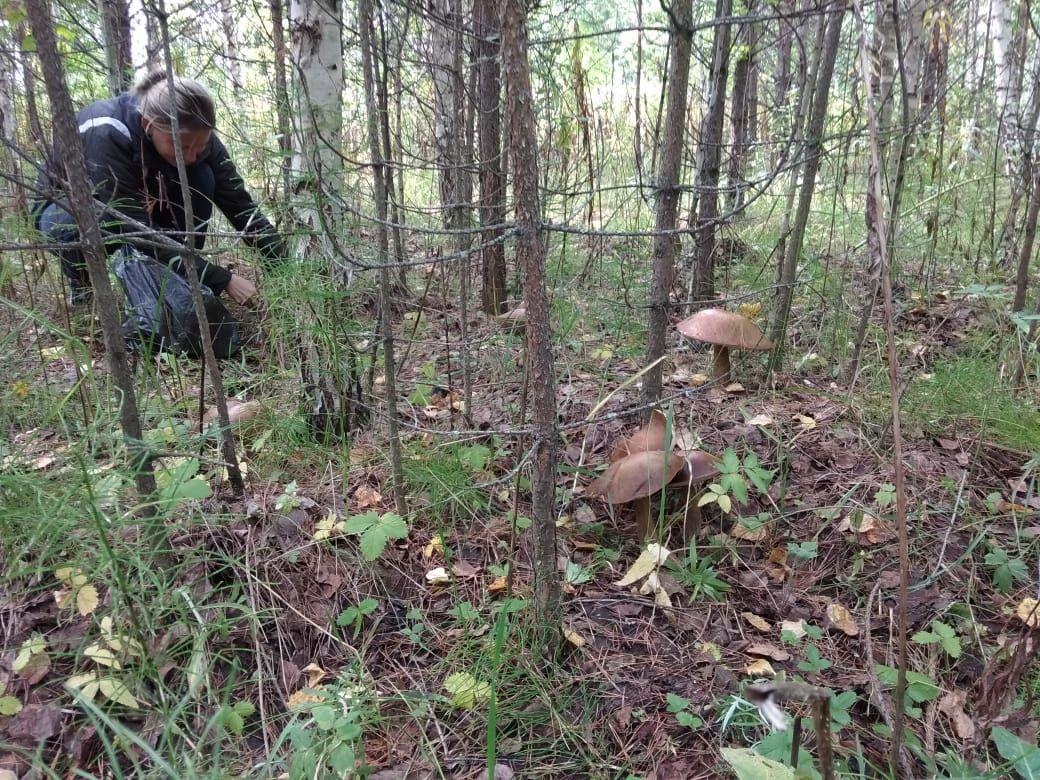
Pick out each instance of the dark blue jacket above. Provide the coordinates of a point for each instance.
(129, 174)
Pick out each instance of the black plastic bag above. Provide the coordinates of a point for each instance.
(159, 312)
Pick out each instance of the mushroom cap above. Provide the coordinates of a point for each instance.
(700, 466)
(638, 475)
(725, 329)
(652, 436)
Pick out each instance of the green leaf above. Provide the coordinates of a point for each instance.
(9, 705)
(324, 717)
(343, 760)
(749, 765)
(358, 524)
(688, 719)
(465, 611)
(466, 690)
(730, 462)
(676, 703)
(475, 457)
(576, 574)
(1024, 756)
(805, 551)
(885, 495)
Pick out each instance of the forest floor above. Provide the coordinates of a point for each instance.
(265, 642)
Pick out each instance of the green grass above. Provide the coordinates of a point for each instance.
(966, 396)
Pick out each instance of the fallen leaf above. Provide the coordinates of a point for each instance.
(497, 584)
(315, 674)
(649, 560)
(573, 637)
(696, 380)
(464, 569)
(759, 668)
(840, 618)
(601, 353)
(760, 419)
(87, 600)
(436, 545)
(761, 624)
(750, 310)
(952, 706)
(42, 462)
(438, 576)
(367, 496)
(805, 423)
(304, 697)
(734, 387)
(1028, 611)
(741, 531)
(794, 627)
(769, 651)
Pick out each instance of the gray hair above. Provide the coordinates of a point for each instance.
(191, 101)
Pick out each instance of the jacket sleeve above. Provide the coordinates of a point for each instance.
(110, 164)
(235, 202)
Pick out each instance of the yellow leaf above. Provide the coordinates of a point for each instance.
(497, 584)
(805, 423)
(315, 674)
(757, 622)
(759, 668)
(760, 419)
(102, 656)
(707, 498)
(34, 645)
(750, 310)
(63, 598)
(724, 502)
(1028, 612)
(711, 650)
(87, 600)
(436, 545)
(602, 353)
(116, 690)
(70, 576)
(573, 637)
(652, 557)
(696, 380)
(841, 618)
(304, 697)
(795, 627)
(734, 387)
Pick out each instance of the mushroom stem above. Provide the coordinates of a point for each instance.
(692, 521)
(643, 526)
(721, 367)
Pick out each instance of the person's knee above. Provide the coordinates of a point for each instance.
(57, 224)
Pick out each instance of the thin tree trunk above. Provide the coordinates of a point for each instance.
(740, 116)
(231, 55)
(489, 139)
(668, 175)
(523, 143)
(227, 438)
(709, 163)
(69, 146)
(1025, 255)
(115, 25)
(281, 95)
(368, 60)
(813, 147)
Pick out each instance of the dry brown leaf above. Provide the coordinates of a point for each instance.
(734, 387)
(42, 462)
(497, 584)
(367, 496)
(741, 531)
(769, 651)
(952, 706)
(464, 569)
(760, 419)
(759, 668)
(756, 622)
(839, 617)
(315, 674)
(795, 627)
(1028, 611)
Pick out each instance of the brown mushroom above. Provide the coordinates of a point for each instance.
(652, 436)
(637, 477)
(700, 467)
(724, 330)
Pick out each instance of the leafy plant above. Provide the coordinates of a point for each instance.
(698, 574)
(680, 707)
(840, 704)
(941, 634)
(180, 482)
(354, 616)
(288, 500)
(804, 551)
(233, 717)
(466, 690)
(813, 662)
(885, 495)
(576, 574)
(1006, 570)
(375, 531)
(9, 705)
(734, 476)
(919, 688)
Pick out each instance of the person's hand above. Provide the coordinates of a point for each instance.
(240, 289)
